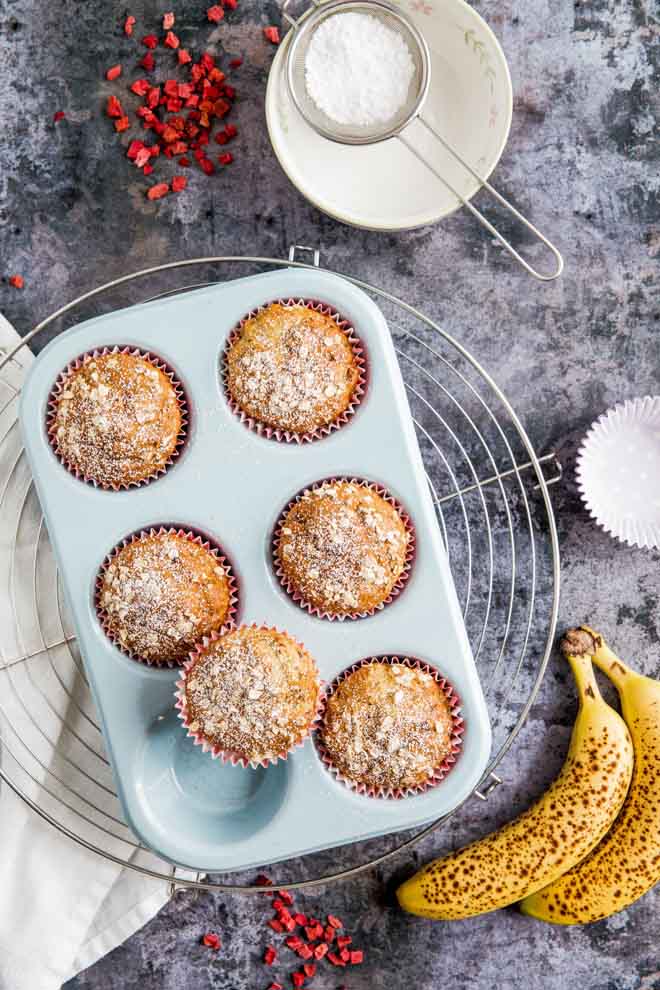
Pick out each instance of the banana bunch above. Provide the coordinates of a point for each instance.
(590, 845)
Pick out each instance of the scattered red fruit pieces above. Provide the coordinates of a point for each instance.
(285, 896)
(272, 34)
(314, 931)
(277, 926)
(210, 940)
(184, 56)
(329, 934)
(335, 959)
(215, 13)
(276, 986)
(150, 41)
(179, 183)
(344, 955)
(58, 115)
(171, 40)
(122, 124)
(236, 63)
(168, 21)
(334, 921)
(309, 969)
(148, 63)
(300, 919)
(294, 942)
(184, 162)
(113, 72)
(320, 950)
(343, 941)
(129, 24)
(17, 281)
(148, 169)
(305, 952)
(298, 979)
(356, 957)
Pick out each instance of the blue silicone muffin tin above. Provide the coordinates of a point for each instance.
(232, 484)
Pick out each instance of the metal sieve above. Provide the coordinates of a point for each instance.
(391, 17)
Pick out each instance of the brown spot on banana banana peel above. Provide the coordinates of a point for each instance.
(627, 862)
(550, 837)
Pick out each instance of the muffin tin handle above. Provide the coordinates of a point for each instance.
(484, 184)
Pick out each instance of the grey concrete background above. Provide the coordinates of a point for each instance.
(583, 162)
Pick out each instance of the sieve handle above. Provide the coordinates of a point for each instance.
(478, 214)
(289, 18)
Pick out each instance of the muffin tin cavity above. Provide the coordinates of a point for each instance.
(187, 807)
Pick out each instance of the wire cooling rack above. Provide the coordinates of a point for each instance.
(494, 511)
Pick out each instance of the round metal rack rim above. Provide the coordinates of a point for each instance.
(534, 464)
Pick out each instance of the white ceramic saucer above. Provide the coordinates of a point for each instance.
(383, 186)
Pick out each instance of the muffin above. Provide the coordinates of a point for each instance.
(116, 418)
(390, 727)
(343, 549)
(161, 592)
(250, 695)
(293, 369)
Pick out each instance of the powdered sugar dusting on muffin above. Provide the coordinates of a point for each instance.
(388, 727)
(292, 368)
(342, 547)
(116, 418)
(252, 692)
(161, 593)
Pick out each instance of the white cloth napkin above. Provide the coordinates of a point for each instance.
(62, 906)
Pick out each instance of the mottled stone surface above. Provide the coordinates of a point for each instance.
(583, 161)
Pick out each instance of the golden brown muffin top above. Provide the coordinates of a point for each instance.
(161, 594)
(291, 368)
(117, 419)
(388, 727)
(253, 692)
(342, 548)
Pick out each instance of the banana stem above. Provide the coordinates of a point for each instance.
(583, 672)
(587, 642)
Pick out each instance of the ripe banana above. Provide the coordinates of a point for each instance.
(627, 862)
(550, 837)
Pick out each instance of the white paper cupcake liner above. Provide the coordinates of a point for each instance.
(618, 472)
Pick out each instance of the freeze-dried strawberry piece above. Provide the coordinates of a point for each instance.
(184, 56)
(184, 162)
(208, 167)
(168, 21)
(148, 169)
(207, 62)
(232, 4)
(148, 63)
(171, 40)
(226, 158)
(129, 24)
(179, 182)
(236, 63)
(58, 115)
(272, 34)
(150, 41)
(140, 87)
(122, 124)
(113, 107)
(153, 97)
(17, 281)
(133, 149)
(142, 157)
(113, 72)
(215, 13)
(157, 192)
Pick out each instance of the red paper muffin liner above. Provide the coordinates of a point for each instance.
(59, 386)
(440, 772)
(203, 541)
(274, 433)
(397, 587)
(228, 755)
